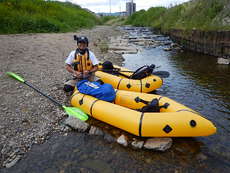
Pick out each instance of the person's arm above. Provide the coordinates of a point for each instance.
(94, 69)
(71, 70)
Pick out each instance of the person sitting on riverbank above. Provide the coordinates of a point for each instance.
(82, 63)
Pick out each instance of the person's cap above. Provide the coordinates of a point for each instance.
(81, 39)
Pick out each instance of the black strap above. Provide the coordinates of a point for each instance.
(87, 50)
(115, 71)
(119, 83)
(91, 108)
(140, 124)
(138, 99)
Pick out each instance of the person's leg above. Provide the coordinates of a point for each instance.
(93, 78)
(69, 85)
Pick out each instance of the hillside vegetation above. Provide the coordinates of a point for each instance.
(26, 16)
(195, 14)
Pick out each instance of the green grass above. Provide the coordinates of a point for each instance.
(105, 19)
(146, 18)
(32, 16)
(198, 14)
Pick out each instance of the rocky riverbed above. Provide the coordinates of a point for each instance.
(26, 118)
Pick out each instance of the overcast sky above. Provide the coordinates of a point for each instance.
(119, 5)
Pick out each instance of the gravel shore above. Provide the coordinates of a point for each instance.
(26, 117)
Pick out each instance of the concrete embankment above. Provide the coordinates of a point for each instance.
(215, 43)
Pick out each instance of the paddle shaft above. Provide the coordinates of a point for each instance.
(50, 98)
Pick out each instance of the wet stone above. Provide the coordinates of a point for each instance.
(225, 61)
(167, 49)
(65, 128)
(95, 131)
(12, 162)
(109, 138)
(122, 140)
(76, 124)
(159, 144)
(148, 160)
(137, 144)
(201, 157)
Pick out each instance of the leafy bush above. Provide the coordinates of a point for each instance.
(23, 16)
(198, 14)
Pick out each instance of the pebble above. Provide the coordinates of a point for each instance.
(29, 94)
(122, 140)
(4, 109)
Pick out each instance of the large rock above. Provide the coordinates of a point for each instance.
(109, 138)
(76, 124)
(137, 144)
(167, 49)
(122, 140)
(223, 61)
(95, 131)
(159, 144)
(12, 162)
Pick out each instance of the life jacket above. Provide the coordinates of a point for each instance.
(82, 62)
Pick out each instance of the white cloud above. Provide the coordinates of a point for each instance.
(119, 5)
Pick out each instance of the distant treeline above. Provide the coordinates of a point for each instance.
(30, 16)
(195, 14)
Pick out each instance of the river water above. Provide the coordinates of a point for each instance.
(198, 82)
(195, 81)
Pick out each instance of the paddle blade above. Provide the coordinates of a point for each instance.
(15, 76)
(76, 112)
(162, 74)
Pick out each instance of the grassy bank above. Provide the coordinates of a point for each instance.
(31, 16)
(195, 14)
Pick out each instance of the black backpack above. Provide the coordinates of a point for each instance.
(143, 72)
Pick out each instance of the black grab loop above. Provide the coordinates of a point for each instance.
(152, 106)
(138, 99)
(81, 102)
